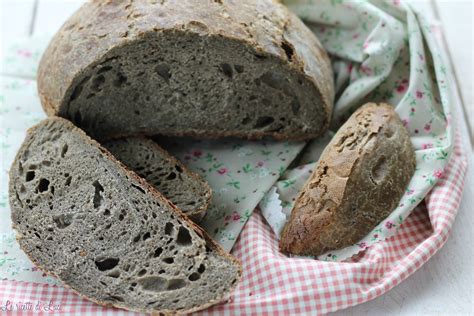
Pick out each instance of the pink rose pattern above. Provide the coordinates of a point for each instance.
(239, 172)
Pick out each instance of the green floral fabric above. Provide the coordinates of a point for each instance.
(382, 51)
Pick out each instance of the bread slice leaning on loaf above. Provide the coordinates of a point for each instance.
(247, 68)
(82, 217)
(358, 181)
(185, 189)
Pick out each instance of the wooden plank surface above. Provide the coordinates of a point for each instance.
(16, 21)
(456, 20)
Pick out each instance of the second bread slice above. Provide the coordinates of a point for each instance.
(185, 189)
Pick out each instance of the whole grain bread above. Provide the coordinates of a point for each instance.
(82, 217)
(358, 181)
(185, 189)
(207, 68)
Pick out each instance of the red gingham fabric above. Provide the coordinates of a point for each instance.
(274, 284)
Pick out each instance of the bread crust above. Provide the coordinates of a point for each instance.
(149, 190)
(358, 181)
(100, 26)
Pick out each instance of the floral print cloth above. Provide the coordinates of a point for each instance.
(382, 51)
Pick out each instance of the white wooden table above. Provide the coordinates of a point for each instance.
(443, 286)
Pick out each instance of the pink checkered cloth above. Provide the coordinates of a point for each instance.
(274, 284)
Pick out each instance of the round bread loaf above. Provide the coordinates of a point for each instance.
(359, 179)
(208, 68)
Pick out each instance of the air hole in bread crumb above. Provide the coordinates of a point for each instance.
(116, 298)
(106, 264)
(43, 185)
(138, 188)
(227, 70)
(184, 237)
(158, 252)
(114, 274)
(194, 277)
(142, 272)
(171, 176)
(264, 121)
(175, 284)
(104, 69)
(98, 188)
(163, 70)
(201, 269)
(168, 260)
(64, 150)
(246, 120)
(153, 284)
(169, 228)
(146, 236)
(30, 175)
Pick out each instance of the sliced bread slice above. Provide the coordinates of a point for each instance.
(185, 189)
(82, 217)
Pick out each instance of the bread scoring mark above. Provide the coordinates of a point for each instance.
(379, 170)
(288, 49)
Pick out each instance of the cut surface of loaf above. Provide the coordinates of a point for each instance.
(205, 68)
(81, 216)
(358, 181)
(185, 189)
